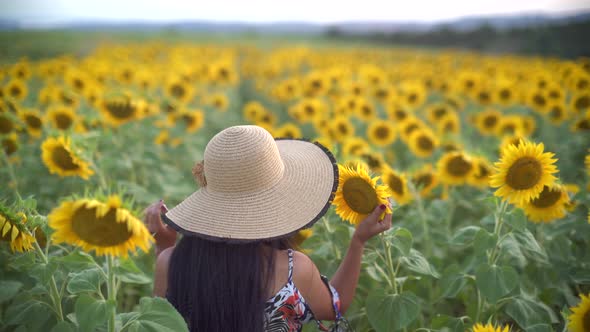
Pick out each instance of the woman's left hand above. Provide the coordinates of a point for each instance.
(164, 235)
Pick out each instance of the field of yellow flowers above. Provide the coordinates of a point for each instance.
(487, 158)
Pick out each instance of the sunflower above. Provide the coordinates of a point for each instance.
(218, 101)
(33, 121)
(489, 328)
(557, 113)
(252, 110)
(422, 142)
(580, 102)
(265, 120)
(375, 161)
(13, 230)
(301, 236)
(424, 180)
(413, 94)
(450, 124)
(455, 168)
(121, 109)
(358, 194)
(9, 144)
(482, 169)
(16, 89)
(397, 184)
(288, 130)
(410, 125)
(436, 112)
(579, 319)
(354, 146)
(342, 128)
(179, 90)
(587, 163)
(62, 117)
(60, 158)
(193, 120)
(510, 125)
(537, 100)
(550, 205)
(397, 113)
(582, 124)
(103, 226)
(364, 109)
(381, 133)
(6, 124)
(522, 172)
(487, 121)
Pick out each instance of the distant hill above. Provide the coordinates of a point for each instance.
(501, 22)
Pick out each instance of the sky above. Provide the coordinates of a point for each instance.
(264, 11)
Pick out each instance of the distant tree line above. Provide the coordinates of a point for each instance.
(565, 40)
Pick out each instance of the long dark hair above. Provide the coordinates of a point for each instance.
(221, 287)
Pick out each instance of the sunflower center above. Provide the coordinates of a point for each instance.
(359, 195)
(400, 114)
(586, 321)
(382, 132)
(9, 146)
(582, 103)
(425, 143)
(15, 91)
(63, 121)
(366, 110)
(556, 112)
(63, 159)
(188, 119)
(483, 172)
(505, 94)
(583, 125)
(524, 173)
(440, 112)
(539, 100)
(547, 198)
(104, 231)
(343, 128)
(33, 121)
(490, 121)
(410, 128)
(412, 98)
(121, 110)
(422, 180)
(177, 91)
(395, 183)
(484, 96)
(458, 166)
(6, 125)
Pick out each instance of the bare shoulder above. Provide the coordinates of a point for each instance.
(306, 277)
(303, 270)
(164, 256)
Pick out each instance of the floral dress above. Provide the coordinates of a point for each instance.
(287, 311)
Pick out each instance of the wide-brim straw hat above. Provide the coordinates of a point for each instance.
(257, 188)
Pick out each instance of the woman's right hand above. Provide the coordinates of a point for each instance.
(165, 236)
(372, 224)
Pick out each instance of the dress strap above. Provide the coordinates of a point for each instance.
(290, 252)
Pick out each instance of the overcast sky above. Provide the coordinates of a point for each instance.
(318, 11)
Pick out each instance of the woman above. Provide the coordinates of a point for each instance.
(233, 269)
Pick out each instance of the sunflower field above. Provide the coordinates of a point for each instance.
(486, 157)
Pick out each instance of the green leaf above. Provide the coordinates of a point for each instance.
(465, 235)
(85, 281)
(387, 312)
(528, 313)
(530, 247)
(8, 289)
(43, 272)
(90, 312)
(32, 314)
(452, 284)
(416, 262)
(516, 219)
(156, 315)
(484, 240)
(77, 260)
(450, 323)
(64, 327)
(402, 240)
(495, 281)
(128, 272)
(539, 328)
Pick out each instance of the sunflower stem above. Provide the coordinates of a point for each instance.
(11, 174)
(389, 261)
(498, 222)
(54, 293)
(111, 293)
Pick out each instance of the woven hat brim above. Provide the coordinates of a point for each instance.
(300, 198)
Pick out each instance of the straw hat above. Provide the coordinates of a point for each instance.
(257, 188)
